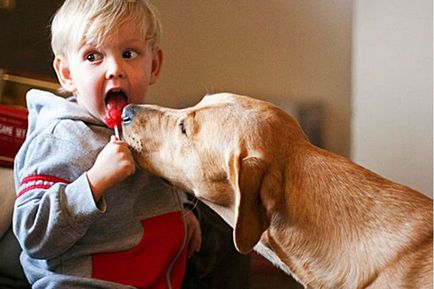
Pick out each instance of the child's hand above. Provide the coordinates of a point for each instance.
(194, 233)
(113, 164)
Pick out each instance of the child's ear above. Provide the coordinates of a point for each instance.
(157, 61)
(61, 66)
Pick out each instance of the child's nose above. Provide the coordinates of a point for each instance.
(115, 69)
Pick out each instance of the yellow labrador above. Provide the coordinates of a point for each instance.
(329, 222)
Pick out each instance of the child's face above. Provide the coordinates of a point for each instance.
(123, 63)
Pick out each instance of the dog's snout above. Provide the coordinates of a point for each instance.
(128, 114)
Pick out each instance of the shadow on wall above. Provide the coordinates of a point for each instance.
(25, 46)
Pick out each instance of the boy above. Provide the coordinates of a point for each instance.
(84, 216)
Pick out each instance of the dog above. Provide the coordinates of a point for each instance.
(320, 217)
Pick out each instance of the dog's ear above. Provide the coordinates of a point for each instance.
(255, 189)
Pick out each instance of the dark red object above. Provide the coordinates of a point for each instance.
(13, 129)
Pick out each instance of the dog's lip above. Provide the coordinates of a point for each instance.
(127, 114)
(126, 120)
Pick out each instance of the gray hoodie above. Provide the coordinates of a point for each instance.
(133, 236)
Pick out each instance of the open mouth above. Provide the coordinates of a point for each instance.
(115, 101)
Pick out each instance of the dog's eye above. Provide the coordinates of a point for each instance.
(181, 126)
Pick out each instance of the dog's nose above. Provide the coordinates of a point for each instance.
(128, 114)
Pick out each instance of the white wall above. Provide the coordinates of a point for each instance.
(392, 101)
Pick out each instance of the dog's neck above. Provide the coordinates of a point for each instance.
(271, 256)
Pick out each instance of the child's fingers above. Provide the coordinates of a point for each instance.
(115, 140)
(194, 234)
(194, 244)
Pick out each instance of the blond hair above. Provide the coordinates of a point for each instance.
(79, 22)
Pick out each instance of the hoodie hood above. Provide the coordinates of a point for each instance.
(45, 107)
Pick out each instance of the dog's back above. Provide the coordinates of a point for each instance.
(382, 231)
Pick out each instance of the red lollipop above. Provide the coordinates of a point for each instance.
(115, 104)
(113, 117)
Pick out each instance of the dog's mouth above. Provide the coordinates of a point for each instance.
(115, 101)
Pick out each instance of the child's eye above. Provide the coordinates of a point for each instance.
(129, 54)
(92, 57)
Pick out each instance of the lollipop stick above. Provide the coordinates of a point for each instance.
(117, 132)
